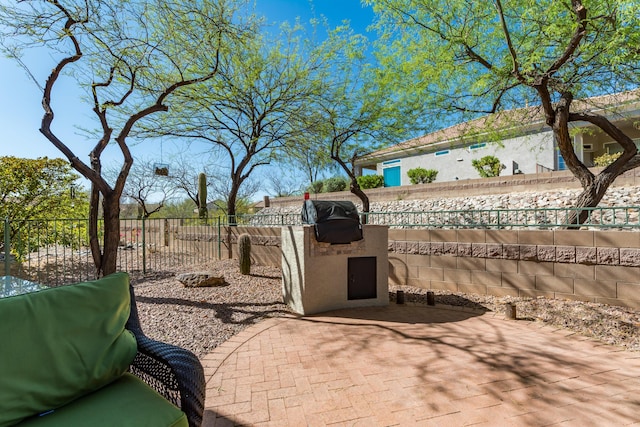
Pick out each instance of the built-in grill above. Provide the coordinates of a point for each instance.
(334, 222)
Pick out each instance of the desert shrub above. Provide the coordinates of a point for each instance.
(334, 184)
(370, 181)
(316, 187)
(422, 175)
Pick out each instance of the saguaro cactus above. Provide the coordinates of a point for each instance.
(244, 253)
(202, 196)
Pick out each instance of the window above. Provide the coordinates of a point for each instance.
(390, 162)
(477, 146)
(441, 153)
(614, 147)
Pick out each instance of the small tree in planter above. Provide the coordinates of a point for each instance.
(488, 166)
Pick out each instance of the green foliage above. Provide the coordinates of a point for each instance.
(329, 185)
(606, 159)
(40, 189)
(370, 181)
(457, 53)
(177, 209)
(359, 108)
(422, 175)
(315, 187)
(334, 184)
(244, 253)
(488, 166)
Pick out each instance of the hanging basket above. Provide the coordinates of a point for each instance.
(161, 169)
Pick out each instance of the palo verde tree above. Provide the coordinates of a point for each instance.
(357, 111)
(246, 112)
(308, 157)
(129, 58)
(473, 58)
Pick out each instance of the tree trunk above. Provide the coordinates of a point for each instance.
(94, 243)
(589, 198)
(356, 190)
(105, 258)
(111, 206)
(229, 244)
(593, 187)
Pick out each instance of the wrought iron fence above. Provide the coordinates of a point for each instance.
(627, 217)
(57, 251)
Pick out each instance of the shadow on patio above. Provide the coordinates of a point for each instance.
(414, 365)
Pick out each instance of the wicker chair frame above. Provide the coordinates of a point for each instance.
(174, 372)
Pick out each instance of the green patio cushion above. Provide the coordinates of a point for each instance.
(61, 343)
(128, 401)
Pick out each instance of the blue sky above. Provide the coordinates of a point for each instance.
(20, 98)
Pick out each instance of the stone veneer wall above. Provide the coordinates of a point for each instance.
(597, 266)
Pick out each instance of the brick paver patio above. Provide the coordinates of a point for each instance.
(416, 365)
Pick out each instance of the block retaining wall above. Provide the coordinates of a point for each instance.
(596, 266)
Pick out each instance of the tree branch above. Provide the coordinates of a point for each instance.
(581, 16)
(507, 35)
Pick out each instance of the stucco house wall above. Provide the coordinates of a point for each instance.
(518, 155)
(528, 148)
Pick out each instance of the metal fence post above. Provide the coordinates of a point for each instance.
(144, 247)
(7, 248)
(219, 239)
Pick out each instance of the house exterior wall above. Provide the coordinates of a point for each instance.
(594, 143)
(526, 151)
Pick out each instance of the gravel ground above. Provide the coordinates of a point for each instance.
(200, 319)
